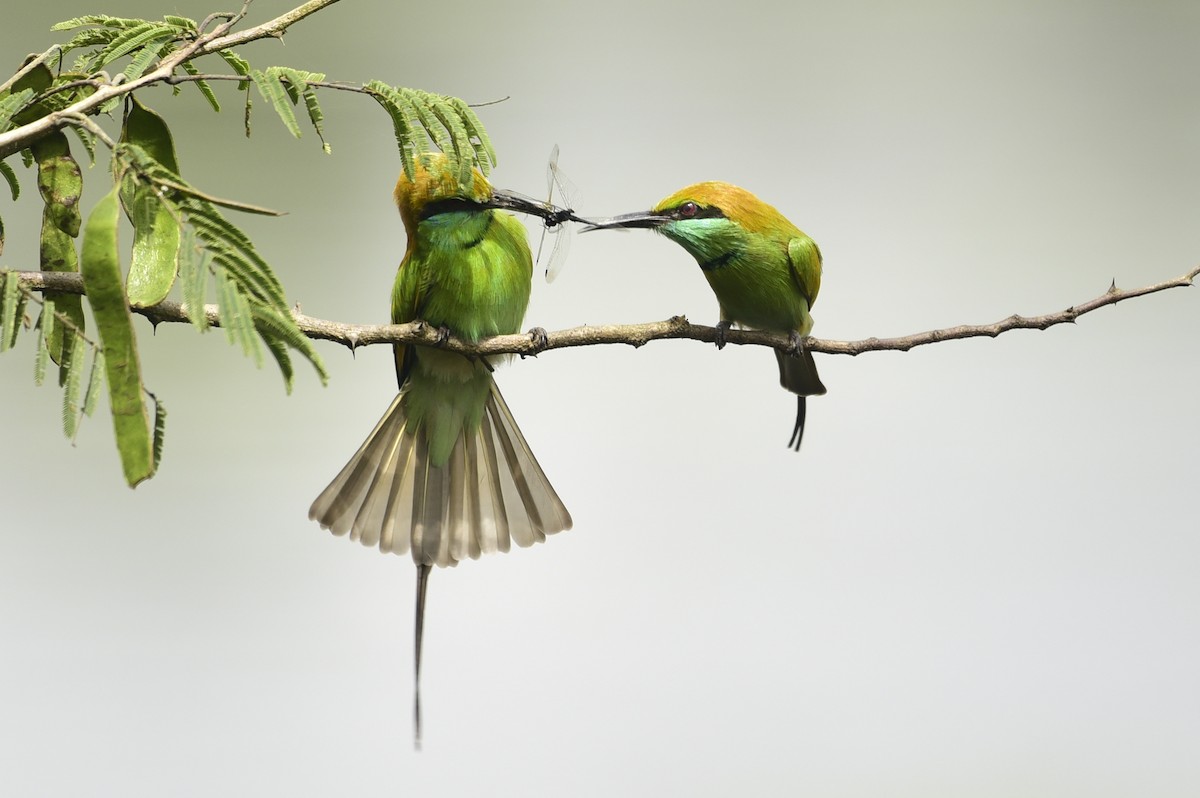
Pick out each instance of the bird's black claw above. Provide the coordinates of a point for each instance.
(539, 340)
(722, 329)
(795, 345)
(443, 335)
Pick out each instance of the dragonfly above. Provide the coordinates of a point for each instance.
(554, 223)
(554, 218)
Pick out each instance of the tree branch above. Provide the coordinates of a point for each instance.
(356, 335)
(219, 39)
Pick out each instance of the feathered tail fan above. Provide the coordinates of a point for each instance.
(491, 491)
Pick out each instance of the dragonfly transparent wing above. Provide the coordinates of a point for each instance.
(560, 234)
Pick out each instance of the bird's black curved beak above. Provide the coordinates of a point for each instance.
(646, 219)
(552, 215)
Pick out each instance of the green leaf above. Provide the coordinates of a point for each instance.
(88, 139)
(485, 154)
(156, 226)
(160, 429)
(11, 104)
(202, 85)
(10, 177)
(237, 319)
(48, 321)
(9, 318)
(39, 359)
(239, 65)
(279, 351)
(279, 329)
(180, 22)
(90, 38)
(37, 79)
(145, 58)
(132, 39)
(98, 19)
(193, 278)
(315, 115)
(390, 100)
(420, 117)
(102, 279)
(74, 375)
(275, 93)
(95, 380)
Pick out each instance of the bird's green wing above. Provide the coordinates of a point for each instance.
(411, 284)
(805, 258)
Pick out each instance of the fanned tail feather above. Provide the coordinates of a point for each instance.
(490, 492)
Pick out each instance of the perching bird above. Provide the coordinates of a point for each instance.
(765, 272)
(446, 474)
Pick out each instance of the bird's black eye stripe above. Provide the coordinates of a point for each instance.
(692, 210)
(448, 205)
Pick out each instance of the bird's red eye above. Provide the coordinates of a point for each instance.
(688, 209)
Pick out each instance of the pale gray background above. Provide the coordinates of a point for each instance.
(980, 577)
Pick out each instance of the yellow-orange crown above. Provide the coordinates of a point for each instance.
(433, 180)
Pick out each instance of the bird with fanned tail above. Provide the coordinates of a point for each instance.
(446, 473)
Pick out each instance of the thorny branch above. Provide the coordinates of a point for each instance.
(218, 39)
(356, 335)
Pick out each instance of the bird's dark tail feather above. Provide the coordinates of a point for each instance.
(423, 570)
(798, 374)
(798, 430)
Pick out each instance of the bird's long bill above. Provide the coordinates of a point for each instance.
(519, 203)
(647, 219)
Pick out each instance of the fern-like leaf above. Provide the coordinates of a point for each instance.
(279, 351)
(193, 279)
(103, 20)
(145, 58)
(88, 140)
(237, 318)
(238, 64)
(11, 104)
(92, 37)
(202, 85)
(180, 22)
(316, 116)
(279, 327)
(421, 117)
(10, 177)
(459, 139)
(42, 355)
(74, 376)
(95, 381)
(485, 154)
(133, 39)
(10, 295)
(160, 429)
(393, 103)
(274, 92)
(49, 320)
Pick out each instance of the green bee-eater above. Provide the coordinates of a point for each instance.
(446, 473)
(765, 272)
